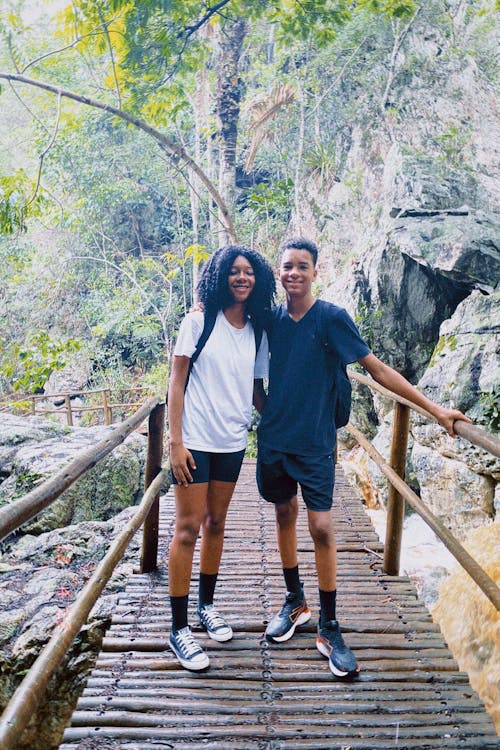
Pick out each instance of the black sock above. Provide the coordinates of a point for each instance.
(292, 580)
(206, 588)
(327, 605)
(179, 607)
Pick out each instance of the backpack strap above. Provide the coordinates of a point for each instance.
(257, 332)
(208, 327)
(323, 336)
(343, 386)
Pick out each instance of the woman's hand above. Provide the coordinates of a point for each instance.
(181, 461)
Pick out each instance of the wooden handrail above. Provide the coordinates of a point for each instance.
(68, 408)
(474, 434)
(30, 692)
(19, 511)
(476, 572)
(58, 394)
(399, 489)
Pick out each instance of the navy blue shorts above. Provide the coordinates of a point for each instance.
(278, 475)
(223, 467)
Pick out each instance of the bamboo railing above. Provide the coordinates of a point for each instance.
(31, 690)
(399, 491)
(69, 409)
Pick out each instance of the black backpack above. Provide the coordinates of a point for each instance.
(343, 386)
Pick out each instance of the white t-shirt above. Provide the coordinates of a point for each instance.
(218, 399)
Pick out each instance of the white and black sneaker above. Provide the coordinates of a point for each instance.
(215, 625)
(187, 650)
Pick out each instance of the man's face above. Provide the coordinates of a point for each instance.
(297, 272)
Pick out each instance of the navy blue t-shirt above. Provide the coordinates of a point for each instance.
(298, 413)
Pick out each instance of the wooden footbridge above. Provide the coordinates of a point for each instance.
(257, 695)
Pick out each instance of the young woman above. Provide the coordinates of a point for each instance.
(209, 411)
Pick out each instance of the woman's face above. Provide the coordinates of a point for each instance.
(241, 279)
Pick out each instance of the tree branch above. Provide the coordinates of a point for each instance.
(190, 30)
(72, 44)
(172, 148)
(110, 47)
(43, 154)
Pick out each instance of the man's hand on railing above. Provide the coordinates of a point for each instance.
(448, 417)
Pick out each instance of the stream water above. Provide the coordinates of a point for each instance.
(424, 558)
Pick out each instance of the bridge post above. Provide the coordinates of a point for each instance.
(69, 413)
(395, 502)
(108, 419)
(149, 553)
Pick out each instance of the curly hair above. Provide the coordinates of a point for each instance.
(213, 288)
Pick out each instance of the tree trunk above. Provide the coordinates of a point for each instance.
(229, 93)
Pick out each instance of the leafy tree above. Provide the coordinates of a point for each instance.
(29, 367)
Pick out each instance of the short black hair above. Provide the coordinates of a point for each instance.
(300, 243)
(213, 288)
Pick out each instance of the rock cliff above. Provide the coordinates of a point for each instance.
(414, 208)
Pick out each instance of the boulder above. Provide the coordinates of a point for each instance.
(464, 365)
(39, 578)
(463, 248)
(460, 498)
(30, 458)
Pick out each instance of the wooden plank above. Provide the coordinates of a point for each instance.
(265, 696)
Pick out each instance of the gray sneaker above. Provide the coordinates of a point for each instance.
(215, 625)
(187, 650)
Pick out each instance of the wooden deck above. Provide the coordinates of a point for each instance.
(262, 696)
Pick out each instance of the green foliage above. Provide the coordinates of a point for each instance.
(15, 205)
(366, 320)
(29, 367)
(490, 406)
(396, 8)
(318, 19)
(322, 161)
(453, 144)
(269, 200)
(26, 481)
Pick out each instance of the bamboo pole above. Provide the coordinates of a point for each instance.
(149, 552)
(395, 501)
(478, 575)
(31, 690)
(19, 511)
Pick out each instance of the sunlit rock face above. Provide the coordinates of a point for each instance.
(470, 622)
(465, 362)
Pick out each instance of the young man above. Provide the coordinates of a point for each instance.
(296, 438)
